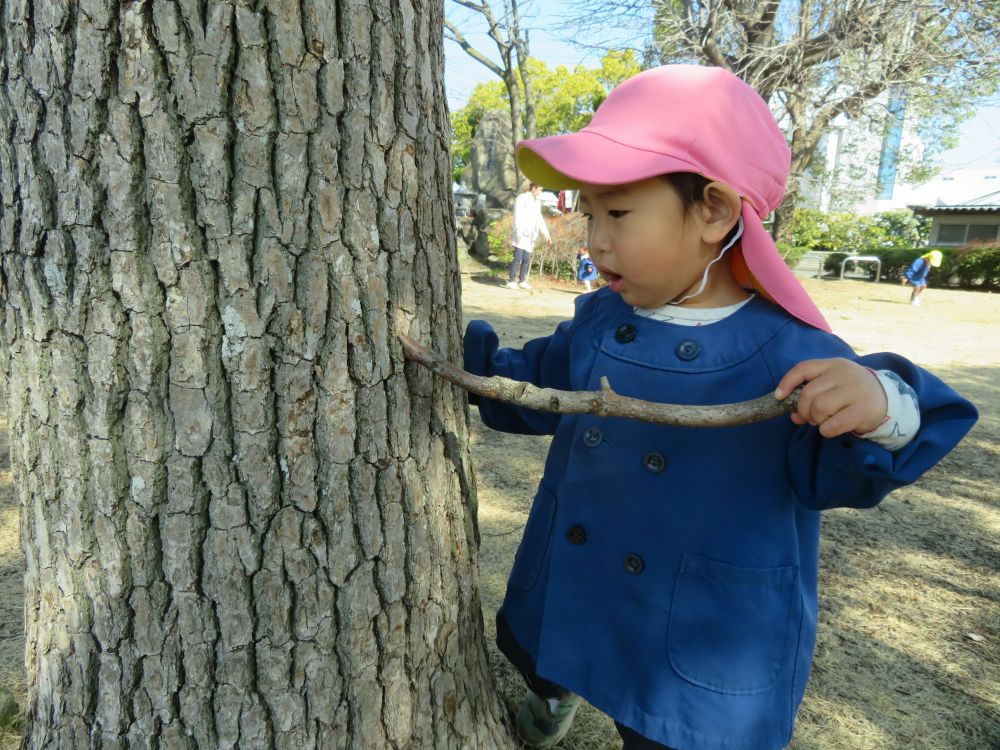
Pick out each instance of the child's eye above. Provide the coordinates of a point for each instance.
(617, 214)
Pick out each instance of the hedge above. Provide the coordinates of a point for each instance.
(970, 267)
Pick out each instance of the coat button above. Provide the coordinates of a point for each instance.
(654, 462)
(625, 333)
(688, 349)
(576, 535)
(592, 438)
(633, 564)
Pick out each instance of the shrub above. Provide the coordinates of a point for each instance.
(897, 260)
(971, 267)
(977, 266)
(894, 262)
(792, 253)
(568, 232)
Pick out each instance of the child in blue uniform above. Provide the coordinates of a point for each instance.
(918, 272)
(586, 271)
(668, 575)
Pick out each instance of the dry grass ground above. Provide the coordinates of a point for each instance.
(903, 586)
(907, 590)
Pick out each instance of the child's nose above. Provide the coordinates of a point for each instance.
(598, 239)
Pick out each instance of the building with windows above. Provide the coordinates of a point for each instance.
(957, 224)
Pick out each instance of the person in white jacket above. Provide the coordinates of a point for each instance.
(528, 224)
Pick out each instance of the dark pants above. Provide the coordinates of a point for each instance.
(522, 258)
(541, 687)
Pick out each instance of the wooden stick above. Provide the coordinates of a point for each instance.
(602, 403)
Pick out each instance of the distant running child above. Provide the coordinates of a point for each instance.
(918, 272)
(586, 271)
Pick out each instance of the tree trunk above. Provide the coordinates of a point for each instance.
(516, 122)
(804, 143)
(245, 522)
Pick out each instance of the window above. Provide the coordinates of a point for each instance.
(982, 232)
(951, 234)
(960, 234)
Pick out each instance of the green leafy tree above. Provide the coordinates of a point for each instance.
(565, 99)
(485, 96)
(504, 28)
(903, 228)
(848, 233)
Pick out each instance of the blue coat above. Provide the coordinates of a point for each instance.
(667, 574)
(918, 271)
(586, 270)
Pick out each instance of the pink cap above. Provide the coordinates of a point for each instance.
(686, 118)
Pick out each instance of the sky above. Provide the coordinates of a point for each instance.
(462, 73)
(979, 137)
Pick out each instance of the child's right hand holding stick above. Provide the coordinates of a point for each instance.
(839, 396)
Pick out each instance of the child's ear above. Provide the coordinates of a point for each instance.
(720, 208)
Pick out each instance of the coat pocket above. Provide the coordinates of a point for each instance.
(729, 626)
(535, 541)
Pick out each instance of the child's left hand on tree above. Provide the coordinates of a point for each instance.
(839, 396)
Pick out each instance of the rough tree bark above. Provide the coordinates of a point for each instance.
(245, 522)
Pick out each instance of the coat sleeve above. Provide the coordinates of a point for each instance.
(850, 472)
(543, 362)
(543, 228)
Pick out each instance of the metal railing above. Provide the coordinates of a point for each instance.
(862, 259)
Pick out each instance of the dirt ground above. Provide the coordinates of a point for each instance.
(909, 647)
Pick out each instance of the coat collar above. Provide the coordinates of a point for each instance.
(618, 332)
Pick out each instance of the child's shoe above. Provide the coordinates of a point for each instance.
(916, 301)
(524, 285)
(511, 285)
(541, 726)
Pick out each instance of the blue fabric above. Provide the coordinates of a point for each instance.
(918, 271)
(707, 643)
(586, 270)
(525, 664)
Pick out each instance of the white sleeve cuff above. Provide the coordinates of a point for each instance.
(902, 418)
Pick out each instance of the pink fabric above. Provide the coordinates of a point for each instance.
(685, 118)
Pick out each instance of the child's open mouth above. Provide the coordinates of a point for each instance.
(615, 281)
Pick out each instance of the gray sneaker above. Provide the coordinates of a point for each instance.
(540, 726)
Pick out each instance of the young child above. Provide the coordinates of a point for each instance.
(667, 575)
(586, 271)
(918, 271)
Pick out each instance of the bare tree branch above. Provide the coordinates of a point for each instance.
(458, 38)
(520, 40)
(602, 403)
(478, 7)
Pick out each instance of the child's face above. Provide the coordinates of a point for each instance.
(645, 245)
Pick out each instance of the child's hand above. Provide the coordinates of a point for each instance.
(840, 396)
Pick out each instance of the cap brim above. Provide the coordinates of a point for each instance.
(773, 275)
(568, 161)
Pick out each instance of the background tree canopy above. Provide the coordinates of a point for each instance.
(565, 99)
(814, 61)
